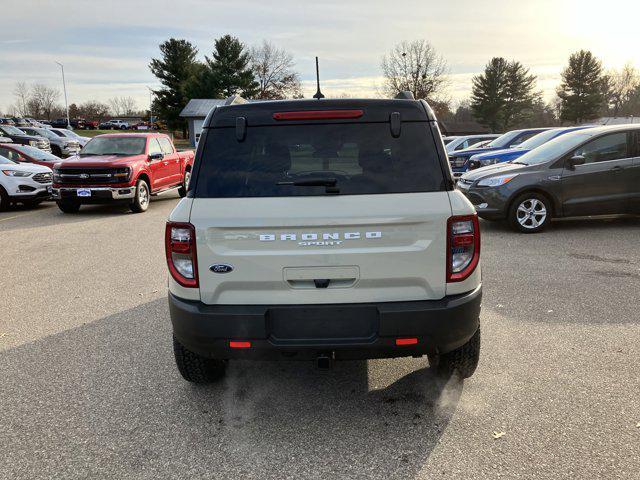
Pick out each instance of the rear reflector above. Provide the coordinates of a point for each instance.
(406, 341)
(318, 114)
(233, 344)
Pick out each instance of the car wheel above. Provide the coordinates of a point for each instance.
(463, 360)
(182, 191)
(68, 207)
(530, 213)
(123, 127)
(4, 199)
(143, 195)
(195, 368)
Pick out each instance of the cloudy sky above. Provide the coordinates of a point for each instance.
(106, 46)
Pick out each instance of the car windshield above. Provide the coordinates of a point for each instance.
(6, 161)
(11, 130)
(541, 138)
(504, 140)
(115, 146)
(36, 153)
(68, 133)
(307, 160)
(43, 132)
(554, 149)
(447, 141)
(59, 133)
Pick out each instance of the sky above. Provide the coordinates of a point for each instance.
(106, 46)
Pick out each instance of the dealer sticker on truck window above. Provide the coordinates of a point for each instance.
(84, 192)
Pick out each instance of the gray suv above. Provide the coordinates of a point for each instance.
(587, 172)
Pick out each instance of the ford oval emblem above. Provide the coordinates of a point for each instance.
(221, 268)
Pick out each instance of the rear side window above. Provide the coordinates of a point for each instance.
(363, 158)
(165, 143)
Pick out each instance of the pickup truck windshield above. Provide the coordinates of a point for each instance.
(115, 146)
(325, 159)
(11, 130)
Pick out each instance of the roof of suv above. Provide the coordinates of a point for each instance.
(373, 110)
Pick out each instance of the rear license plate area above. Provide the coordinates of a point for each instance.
(83, 192)
(321, 324)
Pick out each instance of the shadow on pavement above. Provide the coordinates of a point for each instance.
(105, 400)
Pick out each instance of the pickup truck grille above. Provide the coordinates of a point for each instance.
(91, 176)
(43, 144)
(42, 178)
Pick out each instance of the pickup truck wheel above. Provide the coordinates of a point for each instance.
(182, 191)
(68, 207)
(4, 199)
(141, 201)
(463, 360)
(197, 369)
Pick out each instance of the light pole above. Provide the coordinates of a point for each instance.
(64, 87)
(151, 94)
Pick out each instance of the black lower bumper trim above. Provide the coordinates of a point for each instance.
(370, 331)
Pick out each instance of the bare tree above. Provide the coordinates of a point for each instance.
(122, 106)
(622, 85)
(416, 67)
(93, 110)
(43, 100)
(22, 94)
(273, 70)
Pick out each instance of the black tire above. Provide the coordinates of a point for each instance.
(56, 151)
(123, 127)
(32, 203)
(141, 201)
(4, 199)
(197, 369)
(68, 207)
(463, 360)
(182, 191)
(529, 213)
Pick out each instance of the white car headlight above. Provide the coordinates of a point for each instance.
(496, 181)
(14, 173)
(488, 161)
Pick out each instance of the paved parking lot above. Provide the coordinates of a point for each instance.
(89, 387)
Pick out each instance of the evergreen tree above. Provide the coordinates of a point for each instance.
(503, 96)
(174, 69)
(230, 70)
(584, 88)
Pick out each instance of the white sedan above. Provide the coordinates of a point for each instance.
(28, 184)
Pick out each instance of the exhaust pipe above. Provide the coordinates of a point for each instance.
(324, 362)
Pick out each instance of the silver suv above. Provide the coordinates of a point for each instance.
(323, 230)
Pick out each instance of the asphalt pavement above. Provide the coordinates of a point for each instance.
(90, 390)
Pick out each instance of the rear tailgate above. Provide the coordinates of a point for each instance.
(284, 250)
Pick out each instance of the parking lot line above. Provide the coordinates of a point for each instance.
(17, 216)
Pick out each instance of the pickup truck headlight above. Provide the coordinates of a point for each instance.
(496, 181)
(14, 173)
(33, 143)
(122, 173)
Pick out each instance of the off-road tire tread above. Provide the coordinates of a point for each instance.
(195, 368)
(463, 360)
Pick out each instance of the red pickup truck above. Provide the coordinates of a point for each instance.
(121, 168)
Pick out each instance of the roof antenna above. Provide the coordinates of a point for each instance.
(318, 94)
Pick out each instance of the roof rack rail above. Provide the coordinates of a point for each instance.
(235, 100)
(405, 95)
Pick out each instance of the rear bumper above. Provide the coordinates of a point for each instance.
(370, 330)
(98, 194)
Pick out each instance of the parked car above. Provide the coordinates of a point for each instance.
(6, 121)
(18, 136)
(459, 161)
(448, 139)
(587, 172)
(20, 122)
(114, 125)
(70, 134)
(462, 142)
(480, 144)
(121, 168)
(26, 184)
(60, 146)
(28, 154)
(509, 154)
(323, 230)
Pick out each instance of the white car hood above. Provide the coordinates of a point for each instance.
(26, 167)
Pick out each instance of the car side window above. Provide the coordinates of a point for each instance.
(462, 145)
(517, 141)
(165, 143)
(608, 147)
(154, 146)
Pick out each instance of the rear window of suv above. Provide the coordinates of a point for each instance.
(363, 158)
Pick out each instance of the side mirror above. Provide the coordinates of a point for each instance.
(156, 156)
(575, 160)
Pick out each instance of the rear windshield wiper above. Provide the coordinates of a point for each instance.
(312, 182)
(329, 183)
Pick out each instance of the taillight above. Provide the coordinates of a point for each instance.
(463, 247)
(180, 247)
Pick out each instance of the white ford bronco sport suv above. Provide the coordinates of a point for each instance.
(322, 230)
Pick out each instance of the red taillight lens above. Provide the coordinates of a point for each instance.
(406, 341)
(463, 247)
(180, 247)
(318, 114)
(236, 344)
